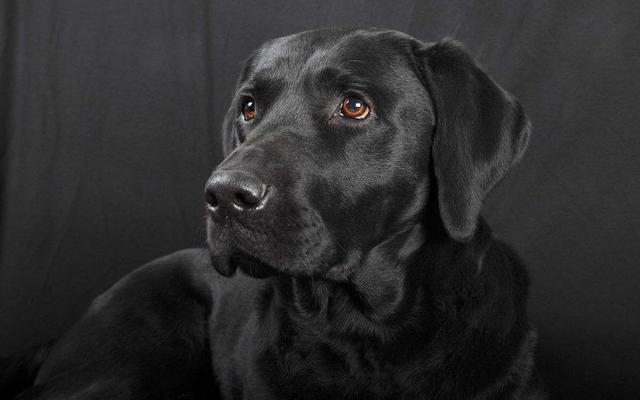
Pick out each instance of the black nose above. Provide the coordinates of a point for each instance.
(234, 192)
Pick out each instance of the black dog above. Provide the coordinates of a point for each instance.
(357, 163)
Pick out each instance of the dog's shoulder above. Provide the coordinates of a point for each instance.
(186, 275)
(182, 274)
(151, 319)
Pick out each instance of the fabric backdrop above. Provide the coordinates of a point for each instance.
(110, 115)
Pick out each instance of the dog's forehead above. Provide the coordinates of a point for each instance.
(310, 51)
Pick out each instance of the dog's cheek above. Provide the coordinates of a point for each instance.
(311, 246)
(292, 235)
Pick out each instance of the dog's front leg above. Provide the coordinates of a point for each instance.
(145, 338)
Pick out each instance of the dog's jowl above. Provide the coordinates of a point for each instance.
(346, 256)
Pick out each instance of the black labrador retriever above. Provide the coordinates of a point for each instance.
(356, 165)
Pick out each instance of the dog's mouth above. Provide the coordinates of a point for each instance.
(251, 265)
(264, 247)
(228, 260)
(229, 252)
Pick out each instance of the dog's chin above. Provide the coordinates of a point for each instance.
(227, 261)
(252, 266)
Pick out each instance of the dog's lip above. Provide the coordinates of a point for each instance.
(227, 255)
(219, 256)
(251, 265)
(228, 263)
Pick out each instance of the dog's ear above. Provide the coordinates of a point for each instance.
(480, 132)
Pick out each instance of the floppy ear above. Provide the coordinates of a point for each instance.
(480, 132)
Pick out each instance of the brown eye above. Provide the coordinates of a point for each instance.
(249, 110)
(353, 107)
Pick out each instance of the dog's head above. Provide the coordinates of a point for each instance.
(335, 141)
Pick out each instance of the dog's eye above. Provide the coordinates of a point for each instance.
(249, 109)
(353, 107)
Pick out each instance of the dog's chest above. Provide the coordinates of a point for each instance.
(321, 370)
(294, 367)
(266, 355)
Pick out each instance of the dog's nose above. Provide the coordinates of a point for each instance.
(234, 192)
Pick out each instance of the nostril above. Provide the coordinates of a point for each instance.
(244, 199)
(211, 199)
(249, 197)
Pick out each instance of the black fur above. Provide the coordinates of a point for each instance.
(19, 371)
(368, 273)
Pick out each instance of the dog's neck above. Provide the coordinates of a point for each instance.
(390, 289)
(440, 309)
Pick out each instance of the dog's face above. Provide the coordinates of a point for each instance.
(333, 139)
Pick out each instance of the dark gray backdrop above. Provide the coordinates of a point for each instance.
(110, 115)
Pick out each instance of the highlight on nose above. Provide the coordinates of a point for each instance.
(234, 192)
